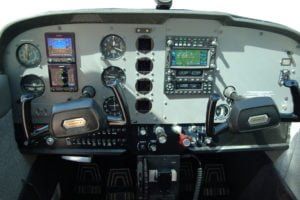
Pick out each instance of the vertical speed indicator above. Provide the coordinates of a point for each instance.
(112, 47)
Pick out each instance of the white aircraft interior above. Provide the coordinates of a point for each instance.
(149, 104)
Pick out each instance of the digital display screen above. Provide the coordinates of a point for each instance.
(189, 72)
(191, 86)
(189, 57)
(63, 77)
(60, 45)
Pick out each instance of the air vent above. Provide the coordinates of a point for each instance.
(143, 86)
(144, 66)
(143, 105)
(144, 44)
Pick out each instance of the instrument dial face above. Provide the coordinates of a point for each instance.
(112, 107)
(113, 75)
(222, 112)
(112, 47)
(28, 55)
(33, 84)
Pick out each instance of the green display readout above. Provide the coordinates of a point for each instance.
(189, 57)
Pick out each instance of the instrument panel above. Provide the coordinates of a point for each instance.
(163, 70)
(167, 71)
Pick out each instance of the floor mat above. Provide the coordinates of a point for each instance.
(214, 183)
(109, 179)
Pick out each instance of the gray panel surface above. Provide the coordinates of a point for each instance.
(247, 58)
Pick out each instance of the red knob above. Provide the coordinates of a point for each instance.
(184, 140)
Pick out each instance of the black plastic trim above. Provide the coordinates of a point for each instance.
(73, 151)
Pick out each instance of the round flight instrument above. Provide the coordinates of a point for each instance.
(29, 55)
(113, 75)
(33, 84)
(112, 107)
(112, 47)
(222, 111)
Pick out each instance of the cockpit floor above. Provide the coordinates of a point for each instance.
(225, 176)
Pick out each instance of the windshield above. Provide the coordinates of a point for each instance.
(285, 13)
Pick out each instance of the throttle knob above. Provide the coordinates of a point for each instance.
(160, 134)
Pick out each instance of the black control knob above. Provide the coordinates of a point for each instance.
(152, 147)
(141, 146)
(88, 91)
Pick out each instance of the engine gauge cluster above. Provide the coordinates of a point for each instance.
(29, 55)
(112, 47)
(33, 84)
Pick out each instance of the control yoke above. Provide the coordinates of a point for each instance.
(75, 117)
(118, 91)
(251, 114)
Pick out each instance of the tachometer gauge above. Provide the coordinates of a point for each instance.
(112, 47)
(113, 75)
(33, 84)
(112, 107)
(29, 55)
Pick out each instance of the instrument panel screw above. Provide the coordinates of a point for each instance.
(284, 107)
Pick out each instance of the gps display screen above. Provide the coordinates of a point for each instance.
(189, 57)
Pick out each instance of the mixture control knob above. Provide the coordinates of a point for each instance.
(160, 134)
(170, 43)
(184, 140)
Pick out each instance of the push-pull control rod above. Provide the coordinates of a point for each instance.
(210, 114)
(120, 96)
(27, 118)
(295, 92)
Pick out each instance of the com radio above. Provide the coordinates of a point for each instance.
(190, 65)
